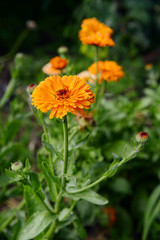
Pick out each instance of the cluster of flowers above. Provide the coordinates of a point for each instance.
(72, 93)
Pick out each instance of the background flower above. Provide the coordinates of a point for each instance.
(96, 33)
(109, 71)
(55, 66)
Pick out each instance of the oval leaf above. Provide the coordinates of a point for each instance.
(89, 196)
(35, 225)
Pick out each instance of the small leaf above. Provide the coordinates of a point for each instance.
(67, 222)
(37, 223)
(27, 166)
(34, 181)
(50, 148)
(112, 169)
(14, 176)
(50, 179)
(8, 92)
(152, 210)
(80, 142)
(116, 157)
(62, 214)
(89, 196)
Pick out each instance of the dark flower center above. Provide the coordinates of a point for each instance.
(62, 94)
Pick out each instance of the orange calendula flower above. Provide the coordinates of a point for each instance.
(62, 95)
(108, 70)
(96, 33)
(55, 66)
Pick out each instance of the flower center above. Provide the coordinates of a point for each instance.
(62, 94)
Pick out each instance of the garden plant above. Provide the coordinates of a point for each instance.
(87, 144)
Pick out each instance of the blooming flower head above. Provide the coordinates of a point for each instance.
(109, 71)
(62, 95)
(55, 66)
(96, 33)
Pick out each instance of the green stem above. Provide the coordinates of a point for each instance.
(15, 47)
(59, 197)
(97, 84)
(8, 220)
(65, 130)
(70, 210)
(50, 231)
(69, 138)
(44, 204)
(124, 160)
(100, 97)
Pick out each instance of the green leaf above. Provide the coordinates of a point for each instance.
(33, 202)
(80, 142)
(11, 129)
(27, 166)
(63, 213)
(80, 229)
(89, 196)
(67, 222)
(50, 179)
(37, 223)
(50, 148)
(152, 210)
(14, 176)
(8, 92)
(34, 181)
(9, 149)
(4, 180)
(116, 157)
(5, 218)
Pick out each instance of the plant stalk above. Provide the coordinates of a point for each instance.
(124, 160)
(65, 130)
(52, 228)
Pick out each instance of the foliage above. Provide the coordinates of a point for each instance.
(97, 147)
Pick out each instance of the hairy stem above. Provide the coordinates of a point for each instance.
(106, 174)
(65, 130)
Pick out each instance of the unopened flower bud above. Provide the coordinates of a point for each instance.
(148, 66)
(142, 137)
(31, 25)
(62, 50)
(16, 166)
(31, 87)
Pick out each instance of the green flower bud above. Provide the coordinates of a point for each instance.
(16, 166)
(142, 137)
(62, 50)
